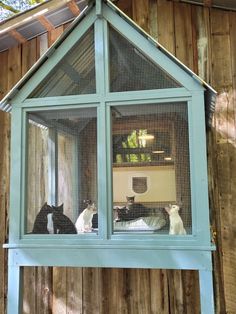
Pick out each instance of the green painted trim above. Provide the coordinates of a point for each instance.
(101, 131)
(16, 175)
(102, 173)
(24, 162)
(106, 58)
(99, 8)
(15, 287)
(198, 157)
(206, 292)
(147, 101)
(192, 170)
(104, 244)
(58, 107)
(60, 101)
(163, 94)
(109, 170)
(99, 57)
(129, 258)
(125, 239)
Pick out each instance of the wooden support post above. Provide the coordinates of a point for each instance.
(15, 292)
(206, 292)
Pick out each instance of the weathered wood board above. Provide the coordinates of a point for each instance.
(4, 181)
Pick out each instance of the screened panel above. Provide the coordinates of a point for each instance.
(131, 69)
(74, 74)
(62, 171)
(151, 172)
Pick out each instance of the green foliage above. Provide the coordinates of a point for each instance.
(132, 141)
(10, 7)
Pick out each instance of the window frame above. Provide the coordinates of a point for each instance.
(105, 235)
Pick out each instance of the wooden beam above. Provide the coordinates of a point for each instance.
(45, 22)
(20, 19)
(73, 7)
(207, 3)
(21, 39)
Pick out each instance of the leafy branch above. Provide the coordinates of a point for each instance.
(8, 7)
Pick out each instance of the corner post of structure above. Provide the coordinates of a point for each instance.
(99, 8)
(15, 292)
(206, 292)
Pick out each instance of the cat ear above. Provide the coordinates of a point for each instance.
(44, 205)
(167, 209)
(87, 202)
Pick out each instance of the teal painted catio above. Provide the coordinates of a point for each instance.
(115, 115)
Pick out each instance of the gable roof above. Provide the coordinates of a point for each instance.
(210, 93)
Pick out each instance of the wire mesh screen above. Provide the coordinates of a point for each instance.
(74, 74)
(62, 171)
(151, 174)
(131, 70)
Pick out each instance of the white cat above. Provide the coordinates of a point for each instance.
(176, 223)
(84, 221)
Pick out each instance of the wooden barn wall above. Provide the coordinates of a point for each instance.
(205, 40)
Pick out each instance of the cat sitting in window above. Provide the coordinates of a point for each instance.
(131, 210)
(84, 221)
(176, 223)
(41, 220)
(62, 224)
(51, 219)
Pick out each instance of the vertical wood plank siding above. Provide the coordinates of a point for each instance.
(205, 40)
(4, 183)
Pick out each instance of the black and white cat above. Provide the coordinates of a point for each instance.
(131, 210)
(41, 220)
(84, 221)
(62, 224)
(51, 219)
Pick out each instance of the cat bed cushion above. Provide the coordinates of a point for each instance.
(149, 223)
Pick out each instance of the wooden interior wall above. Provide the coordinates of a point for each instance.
(205, 40)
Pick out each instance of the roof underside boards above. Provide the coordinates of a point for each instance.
(209, 92)
(35, 22)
